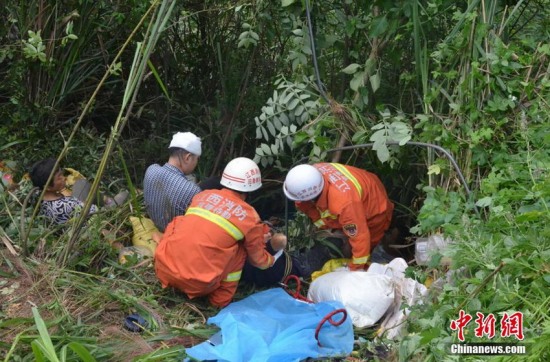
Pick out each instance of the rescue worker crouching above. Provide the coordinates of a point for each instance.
(202, 253)
(345, 198)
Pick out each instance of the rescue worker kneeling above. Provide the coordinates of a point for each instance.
(202, 253)
(343, 198)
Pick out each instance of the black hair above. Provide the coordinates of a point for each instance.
(211, 183)
(177, 151)
(40, 172)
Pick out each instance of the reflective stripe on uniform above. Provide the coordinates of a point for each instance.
(218, 220)
(348, 174)
(233, 277)
(325, 214)
(361, 260)
(319, 223)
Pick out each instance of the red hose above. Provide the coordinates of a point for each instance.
(328, 318)
(295, 294)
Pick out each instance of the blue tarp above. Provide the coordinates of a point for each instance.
(272, 326)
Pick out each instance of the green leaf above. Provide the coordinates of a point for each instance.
(289, 142)
(484, 202)
(37, 351)
(300, 137)
(299, 110)
(357, 81)
(454, 106)
(284, 130)
(285, 3)
(474, 304)
(258, 133)
(259, 151)
(350, 69)
(434, 170)
(380, 125)
(45, 342)
(383, 153)
(243, 43)
(266, 149)
(429, 334)
(370, 64)
(404, 140)
(81, 351)
(545, 49)
(378, 137)
(379, 26)
(375, 82)
(293, 104)
(271, 128)
(157, 78)
(284, 119)
(277, 123)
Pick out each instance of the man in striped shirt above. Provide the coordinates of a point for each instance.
(167, 191)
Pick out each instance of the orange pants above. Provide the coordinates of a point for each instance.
(379, 224)
(220, 290)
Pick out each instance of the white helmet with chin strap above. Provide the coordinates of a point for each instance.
(303, 183)
(242, 174)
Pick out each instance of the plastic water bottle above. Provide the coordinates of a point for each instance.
(426, 247)
(421, 251)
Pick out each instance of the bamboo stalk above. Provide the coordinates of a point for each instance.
(25, 235)
(137, 73)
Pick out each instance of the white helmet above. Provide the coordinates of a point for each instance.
(303, 183)
(242, 174)
(188, 141)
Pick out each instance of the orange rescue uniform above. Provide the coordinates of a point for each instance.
(203, 252)
(354, 201)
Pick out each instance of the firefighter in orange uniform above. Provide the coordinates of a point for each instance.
(202, 253)
(336, 196)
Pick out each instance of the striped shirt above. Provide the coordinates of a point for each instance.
(167, 193)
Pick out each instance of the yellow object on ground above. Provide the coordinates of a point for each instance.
(70, 180)
(330, 266)
(143, 233)
(428, 282)
(73, 176)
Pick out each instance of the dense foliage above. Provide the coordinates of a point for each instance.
(279, 82)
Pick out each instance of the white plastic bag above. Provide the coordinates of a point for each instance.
(406, 289)
(366, 296)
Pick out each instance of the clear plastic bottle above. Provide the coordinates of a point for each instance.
(426, 246)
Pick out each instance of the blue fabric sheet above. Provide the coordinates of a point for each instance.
(273, 326)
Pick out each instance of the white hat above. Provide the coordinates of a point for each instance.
(188, 141)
